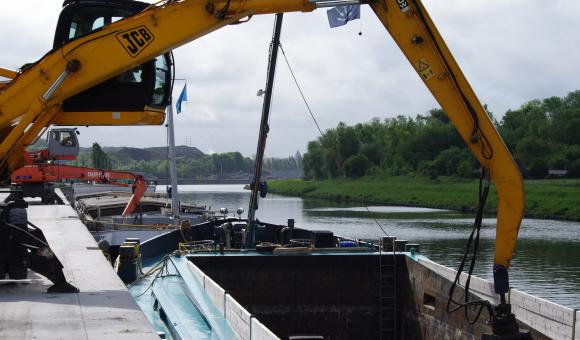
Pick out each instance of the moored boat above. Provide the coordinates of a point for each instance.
(313, 284)
(101, 212)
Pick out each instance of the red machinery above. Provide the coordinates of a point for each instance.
(36, 180)
(37, 177)
(62, 145)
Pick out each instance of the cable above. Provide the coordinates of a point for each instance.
(476, 132)
(242, 4)
(221, 14)
(163, 272)
(27, 233)
(376, 221)
(160, 267)
(300, 90)
(484, 182)
(337, 163)
(172, 65)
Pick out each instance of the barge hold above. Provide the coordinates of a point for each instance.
(332, 289)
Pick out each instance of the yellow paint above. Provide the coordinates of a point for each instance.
(148, 117)
(424, 69)
(504, 171)
(6, 73)
(102, 56)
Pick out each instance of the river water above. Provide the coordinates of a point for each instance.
(546, 262)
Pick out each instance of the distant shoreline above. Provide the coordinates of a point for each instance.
(189, 181)
(557, 199)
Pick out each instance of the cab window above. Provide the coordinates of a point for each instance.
(64, 138)
(88, 19)
(161, 86)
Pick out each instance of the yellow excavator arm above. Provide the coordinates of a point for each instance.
(32, 99)
(412, 29)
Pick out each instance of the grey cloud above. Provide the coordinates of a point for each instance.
(510, 51)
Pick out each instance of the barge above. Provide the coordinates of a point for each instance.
(101, 212)
(303, 284)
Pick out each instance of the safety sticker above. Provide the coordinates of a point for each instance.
(424, 69)
(403, 5)
(135, 40)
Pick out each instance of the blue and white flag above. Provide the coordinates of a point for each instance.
(340, 15)
(182, 98)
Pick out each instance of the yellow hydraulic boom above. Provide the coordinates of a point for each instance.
(32, 99)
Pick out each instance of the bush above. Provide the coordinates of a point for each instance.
(448, 161)
(376, 171)
(466, 169)
(356, 166)
(427, 169)
(574, 169)
(538, 168)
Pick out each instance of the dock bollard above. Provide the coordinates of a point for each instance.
(387, 242)
(287, 233)
(133, 239)
(126, 264)
(400, 245)
(413, 247)
(135, 246)
(136, 242)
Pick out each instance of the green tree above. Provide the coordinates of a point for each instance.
(100, 159)
(565, 116)
(448, 161)
(530, 120)
(538, 168)
(534, 153)
(313, 161)
(347, 142)
(356, 166)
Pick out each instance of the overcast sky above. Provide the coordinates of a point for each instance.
(511, 52)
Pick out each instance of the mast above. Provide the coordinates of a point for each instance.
(172, 166)
(250, 239)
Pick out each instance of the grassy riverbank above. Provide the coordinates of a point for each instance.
(553, 199)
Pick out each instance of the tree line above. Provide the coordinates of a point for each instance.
(215, 165)
(541, 134)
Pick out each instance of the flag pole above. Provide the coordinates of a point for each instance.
(175, 208)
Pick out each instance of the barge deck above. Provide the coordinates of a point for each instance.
(103, 309)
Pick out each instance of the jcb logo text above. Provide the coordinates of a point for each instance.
(403, 5)
(135, 40)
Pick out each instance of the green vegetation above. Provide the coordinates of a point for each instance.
(100, 159)
(424, 162)
(541, 134)
(419, 161)
(554, 199)
(191, 163)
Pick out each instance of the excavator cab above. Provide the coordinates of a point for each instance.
(62, 143)
(142, 92)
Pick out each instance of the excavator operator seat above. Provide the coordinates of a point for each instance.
(145, 87)
(63, 142)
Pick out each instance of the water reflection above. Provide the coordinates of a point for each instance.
(546, 262)
(379, 209)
